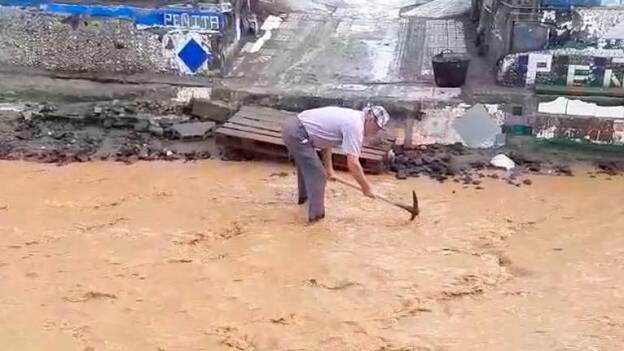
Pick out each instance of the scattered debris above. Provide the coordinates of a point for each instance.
(280, 174)
(339, 286)
(564, 170)
(103, 225)
(181, 260)
(92, 295)
(231, 232)
(611, 168)
(120, 131)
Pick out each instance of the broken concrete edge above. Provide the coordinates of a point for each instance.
(104, 77)
(213, 110)
(297, 102)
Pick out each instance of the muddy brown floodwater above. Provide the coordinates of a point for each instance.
(215, 256)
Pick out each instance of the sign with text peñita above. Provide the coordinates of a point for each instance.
(209, 19)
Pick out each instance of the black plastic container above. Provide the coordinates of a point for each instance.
(450, 69)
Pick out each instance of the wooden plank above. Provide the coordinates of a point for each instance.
(259, 128)
(261, 118)
(275, 119)
(264, 113)
(249, 133)
(270, 124)
(258, 124)
(374, 166)
(246, 128)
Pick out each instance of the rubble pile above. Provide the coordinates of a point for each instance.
(610, 168)
(81, 132)
(469, 166)
(434, 161)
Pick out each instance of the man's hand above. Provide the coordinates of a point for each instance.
(330, 174)
(369, 193)
(356, 170)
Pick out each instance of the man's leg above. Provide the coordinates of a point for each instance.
(314, 180)
(301, 187)
(291, 135)
(310, 171)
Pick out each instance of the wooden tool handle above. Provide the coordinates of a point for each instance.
(357, 187)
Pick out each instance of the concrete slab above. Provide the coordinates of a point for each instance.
(193, 130)
(213, 110)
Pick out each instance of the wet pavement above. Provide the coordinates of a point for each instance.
(359, 48)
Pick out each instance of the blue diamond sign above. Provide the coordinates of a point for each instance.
(194, 55)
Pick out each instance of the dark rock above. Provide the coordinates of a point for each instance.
(479, 188)
(108, 123)
(441, 178)
(528, 182)
(25, 135)
(414, 171)
(82, 158)
(142, 126)
(401, 175)
(417, 162)
(156, 130)
(476, 182)
(467, 180)
(565, 170)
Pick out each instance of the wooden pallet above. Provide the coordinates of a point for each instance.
(259, 130)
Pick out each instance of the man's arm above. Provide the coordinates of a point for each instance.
(329, 166)
(356, 170)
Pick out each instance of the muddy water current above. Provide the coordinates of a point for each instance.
(216, 256)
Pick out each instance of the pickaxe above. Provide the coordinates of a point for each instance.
(413, 210)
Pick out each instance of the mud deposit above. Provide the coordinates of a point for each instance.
(215, 256)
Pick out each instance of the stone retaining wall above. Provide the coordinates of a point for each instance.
(120, 39)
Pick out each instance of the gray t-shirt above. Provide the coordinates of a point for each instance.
(333, 126)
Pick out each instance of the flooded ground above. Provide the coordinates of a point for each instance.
(215, 256)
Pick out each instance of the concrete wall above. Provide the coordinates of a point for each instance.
(573, 70)
(584, 51)
(507, 29)
(92, 38)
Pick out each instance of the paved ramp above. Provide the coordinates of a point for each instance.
(354, 50)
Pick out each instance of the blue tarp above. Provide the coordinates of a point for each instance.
(582, 3)
(164, 16)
